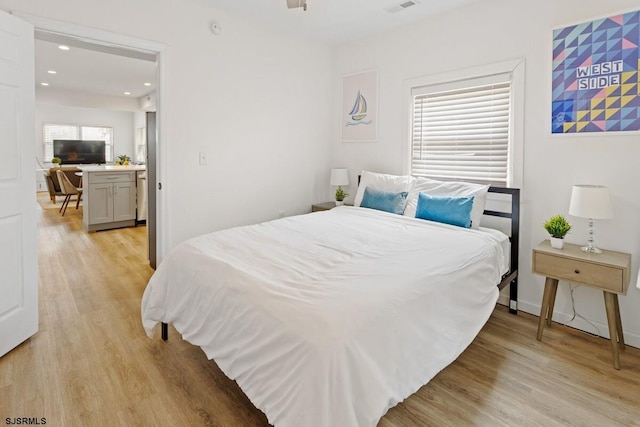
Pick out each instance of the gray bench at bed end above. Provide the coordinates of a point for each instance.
(511, 277)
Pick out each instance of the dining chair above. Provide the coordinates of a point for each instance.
(68, 189)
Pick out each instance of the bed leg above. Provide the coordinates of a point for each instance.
(165, 331)
(513, 296)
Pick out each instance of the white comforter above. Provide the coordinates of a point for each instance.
(329, 319)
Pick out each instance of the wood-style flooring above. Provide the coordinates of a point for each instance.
(91, 363)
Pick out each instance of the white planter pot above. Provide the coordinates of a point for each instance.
(339, 203)
(557, 243)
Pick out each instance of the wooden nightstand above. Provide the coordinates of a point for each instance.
(608, 271)
(323, 206)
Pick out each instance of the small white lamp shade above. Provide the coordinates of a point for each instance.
(591, 201)
(339, 176)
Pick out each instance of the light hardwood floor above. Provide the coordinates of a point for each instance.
(91, 363)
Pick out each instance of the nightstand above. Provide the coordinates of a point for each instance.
(608, 272)
(325, 206)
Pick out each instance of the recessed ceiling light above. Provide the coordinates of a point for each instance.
(44, 84)
(147, 84)
(127, 93)
(63, 47)
(52, 72)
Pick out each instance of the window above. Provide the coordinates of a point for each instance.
(462, 130)
(51, 131)
(141, 145)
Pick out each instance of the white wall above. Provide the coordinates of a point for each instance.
(256, 102)
(120, 121)
(493, 31)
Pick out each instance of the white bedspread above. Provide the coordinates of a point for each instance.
(329, 319)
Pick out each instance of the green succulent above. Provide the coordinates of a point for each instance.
(557, 226)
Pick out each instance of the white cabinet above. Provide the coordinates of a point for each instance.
(109, 199)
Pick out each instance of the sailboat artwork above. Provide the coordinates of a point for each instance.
(359, 115)
(359, 111)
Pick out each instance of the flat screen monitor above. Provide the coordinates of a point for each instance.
(81, 152)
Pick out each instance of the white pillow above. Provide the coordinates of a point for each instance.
(383, 182)
(444, 188)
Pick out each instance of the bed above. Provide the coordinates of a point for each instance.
(332, 318)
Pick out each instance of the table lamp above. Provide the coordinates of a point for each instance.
(592, 202)
(339, 177)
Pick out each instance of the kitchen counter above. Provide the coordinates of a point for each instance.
(110, 196)
(111, 168)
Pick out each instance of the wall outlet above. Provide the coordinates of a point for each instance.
(203, 158)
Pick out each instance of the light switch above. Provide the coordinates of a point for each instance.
(204, 158)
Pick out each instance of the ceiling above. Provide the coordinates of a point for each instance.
(335, 21)
(92, 69)
(106, 70)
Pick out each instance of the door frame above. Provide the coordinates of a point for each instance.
(111, 39)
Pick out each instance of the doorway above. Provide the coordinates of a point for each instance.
(118, 44)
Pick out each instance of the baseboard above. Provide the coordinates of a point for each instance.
(630, 339)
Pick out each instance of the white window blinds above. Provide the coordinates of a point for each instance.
(51, 131)
(461, 131)
(54, 131)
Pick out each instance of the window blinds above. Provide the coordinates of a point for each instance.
(462, 133)
(54, 131)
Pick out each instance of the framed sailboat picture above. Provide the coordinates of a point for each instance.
(359, 118)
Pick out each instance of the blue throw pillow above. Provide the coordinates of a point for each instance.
(384, 200)
(445, 209)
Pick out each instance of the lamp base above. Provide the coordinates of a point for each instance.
(591, 249)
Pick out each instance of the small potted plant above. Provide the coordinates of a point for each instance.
(340, 196)
(56, 161)
(123, 160)
(557, 226)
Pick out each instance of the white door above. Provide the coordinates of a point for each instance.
(18, 227)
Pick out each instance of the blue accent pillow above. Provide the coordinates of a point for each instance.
(445, 209)
(384, 200)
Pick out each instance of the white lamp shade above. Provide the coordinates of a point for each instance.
(591, 201)
(339, 176)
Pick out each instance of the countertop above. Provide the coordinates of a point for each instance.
(112, 168)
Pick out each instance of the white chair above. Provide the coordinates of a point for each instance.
(68, 189)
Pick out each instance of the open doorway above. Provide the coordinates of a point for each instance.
(100, 45)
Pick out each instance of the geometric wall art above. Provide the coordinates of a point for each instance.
(596, 78)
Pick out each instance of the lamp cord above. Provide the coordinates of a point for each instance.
(576, 314)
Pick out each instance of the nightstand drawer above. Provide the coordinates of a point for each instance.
(601, 276)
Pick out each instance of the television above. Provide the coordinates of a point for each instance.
(79, 152)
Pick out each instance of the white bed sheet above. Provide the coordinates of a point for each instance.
(329, 319)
